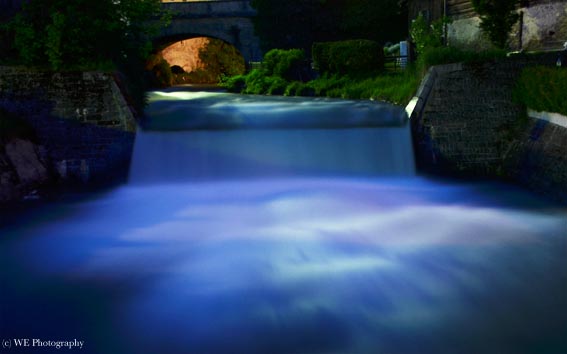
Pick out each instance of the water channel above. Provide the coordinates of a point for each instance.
(260, 225)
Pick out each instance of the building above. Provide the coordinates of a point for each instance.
(542, 25)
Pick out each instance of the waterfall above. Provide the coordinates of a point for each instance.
(212, 136)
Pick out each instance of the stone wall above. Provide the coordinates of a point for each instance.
(84, 128)
(543, 26)
(230, 21)
(465, 124)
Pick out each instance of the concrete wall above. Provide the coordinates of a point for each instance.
(85, 128)
(465, 124)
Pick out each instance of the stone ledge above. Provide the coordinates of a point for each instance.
(415, 107)
(555, 118)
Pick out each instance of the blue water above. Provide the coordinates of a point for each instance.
(280, 255)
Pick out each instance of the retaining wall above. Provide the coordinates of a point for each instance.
(84, 126)
(465, 124)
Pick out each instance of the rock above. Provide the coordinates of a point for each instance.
(23, 155)
(21, 171)
(8, 181)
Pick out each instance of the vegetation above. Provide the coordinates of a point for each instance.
(396, 87)
(497, 18)
(426, 36)
(299, 23)
(287, 64)
(543, 89)
(84, 35)
(447, 55)
(219, 58)
(348, 57)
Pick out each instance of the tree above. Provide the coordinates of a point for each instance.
(87, 35)
(84, 33)
(497, 19)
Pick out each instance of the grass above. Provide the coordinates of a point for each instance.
(542, 89)
(397, 87)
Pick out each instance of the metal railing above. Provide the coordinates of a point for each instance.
(396, 62)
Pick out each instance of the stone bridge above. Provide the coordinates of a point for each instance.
(228, 20)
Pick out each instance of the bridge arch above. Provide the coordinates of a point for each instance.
(227, 20)
(199, 59)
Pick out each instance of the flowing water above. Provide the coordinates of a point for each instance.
(269, 225)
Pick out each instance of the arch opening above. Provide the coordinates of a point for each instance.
(195, 60)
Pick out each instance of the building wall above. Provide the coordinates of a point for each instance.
(431, 9)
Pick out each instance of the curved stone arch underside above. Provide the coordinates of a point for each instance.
(238, 32)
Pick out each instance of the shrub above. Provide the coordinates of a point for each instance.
(276, 84)
(426, 36)
(447, 55)
(298, 88)
(256, 82)
(497, 18)
(287, 64)
(348, 57)
(233, 83)
(542, 89)
(162, 74)
(326, 83)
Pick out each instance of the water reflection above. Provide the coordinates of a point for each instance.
(314, 265)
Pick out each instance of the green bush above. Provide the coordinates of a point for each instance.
(235, 83)
(256, 82)
(348, 57)
(426, 36)
(496, 19)
(542, 89)
(162, 75)
(286, 64)
(327, 83)
(298, 88)
(448, 55)
(397, 88)
(277, 85)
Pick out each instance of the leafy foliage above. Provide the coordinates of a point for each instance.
(84, 33)
(542, 89)
(447, 55)
(279, 68)
(287, 64)
(221, 59)
(427, 36)
(497, 18)
(396, 88)
(348, 57)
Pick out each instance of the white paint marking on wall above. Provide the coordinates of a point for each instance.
(554, 118)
